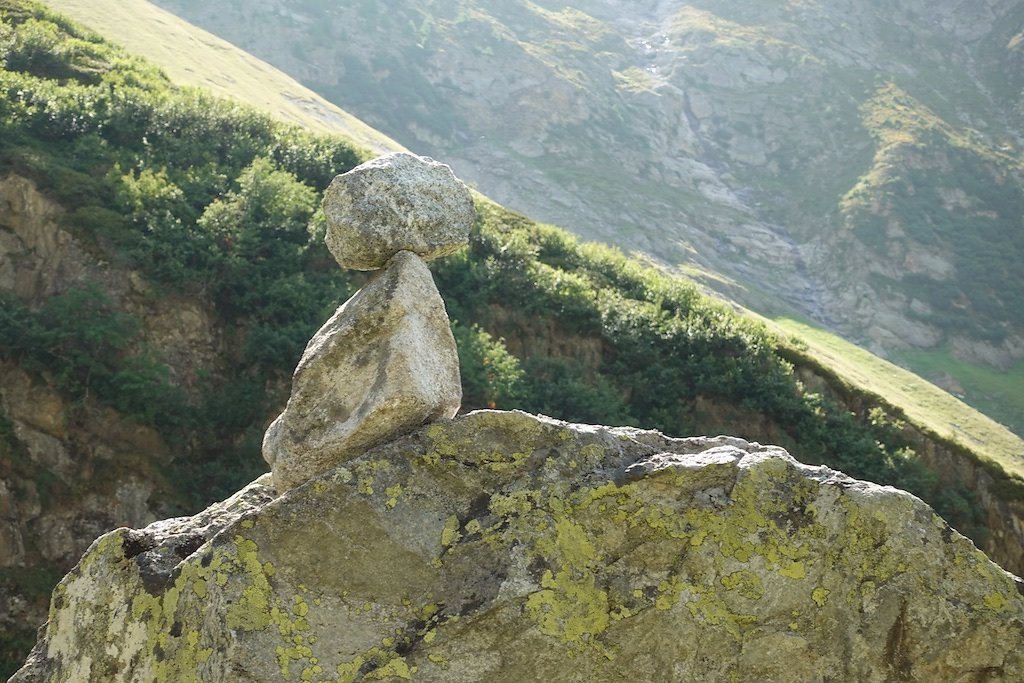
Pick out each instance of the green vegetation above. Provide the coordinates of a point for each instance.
(491, 376)
(937, 194)
(925, 405)
(749, 69)
(997, 393)
(945, 191)
(210, 201)
(215, 65)
(200, 195)
(84, 344)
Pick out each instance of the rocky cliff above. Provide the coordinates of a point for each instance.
(852, 160)
(510, 547)
(69, 470)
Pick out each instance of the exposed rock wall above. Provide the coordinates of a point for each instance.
(40, 257)
(501, 546)
(37, 256)
(72, 470)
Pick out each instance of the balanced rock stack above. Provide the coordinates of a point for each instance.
(386, 362)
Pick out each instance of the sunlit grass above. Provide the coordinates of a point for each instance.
(923, 402)
(997, 393)
(192, 56)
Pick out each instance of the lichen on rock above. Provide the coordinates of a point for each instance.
(503, 546)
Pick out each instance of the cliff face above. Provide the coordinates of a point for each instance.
(856, 160)
(71, 470)
(505, 546)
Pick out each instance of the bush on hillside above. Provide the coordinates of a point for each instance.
(210, 199)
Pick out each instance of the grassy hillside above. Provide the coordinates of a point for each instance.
(922, 400)
(191, 56)
(208, 199)
(855, 161)
(204, 200)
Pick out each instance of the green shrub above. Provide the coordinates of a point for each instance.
(86, 345)
(212, 200)
(491, 376)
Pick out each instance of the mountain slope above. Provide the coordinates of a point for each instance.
(986, 438)
(929, 406)
(853, 161)
(192, 56)
(162, 267)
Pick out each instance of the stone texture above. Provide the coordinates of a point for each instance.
(38, 258)
(396, 202)
(384, 364)
(501, 546)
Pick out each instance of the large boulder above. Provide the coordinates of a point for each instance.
(383, 365)
(396, 202)
(506, 547)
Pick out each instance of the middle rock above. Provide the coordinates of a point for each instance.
(384, 364)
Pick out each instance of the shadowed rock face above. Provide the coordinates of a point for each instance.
(502, 546)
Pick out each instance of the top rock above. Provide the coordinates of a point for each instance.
(393, 203)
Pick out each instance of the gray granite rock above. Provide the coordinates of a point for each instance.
(383, 365)
(506, 547)
(396, 202)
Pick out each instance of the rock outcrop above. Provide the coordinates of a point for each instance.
(503, 546)
(386, 362)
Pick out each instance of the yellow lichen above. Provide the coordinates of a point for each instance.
(441, 440)
(450, 534)
(746, 583)
(394, 668)
(996, 601)
(793, 570)
(252, 610)
(705, 604)
(387, 664)
(393, 493)
(571, 608)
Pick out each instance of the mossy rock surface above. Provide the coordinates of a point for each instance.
(502, 546)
